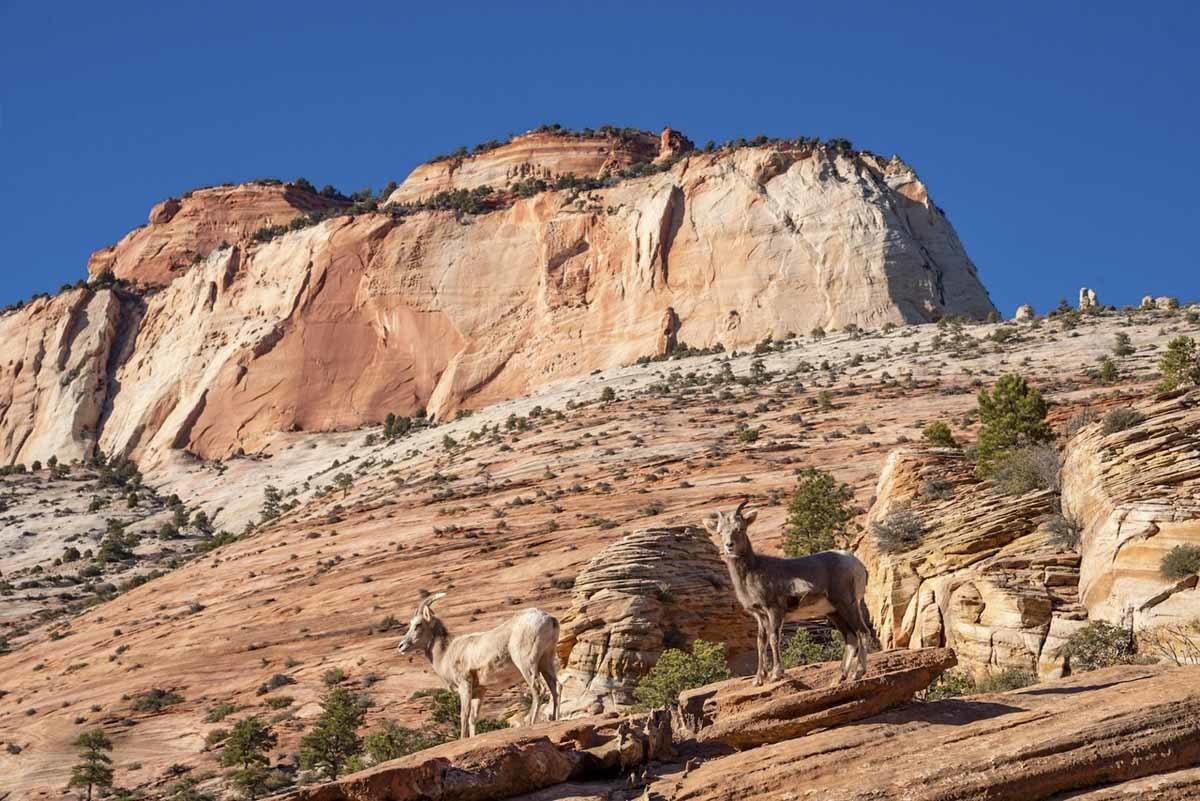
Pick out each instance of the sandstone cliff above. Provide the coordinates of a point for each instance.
(1135, 494)
(987, 580)
(339, 323)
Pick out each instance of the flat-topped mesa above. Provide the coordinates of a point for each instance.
(543, 153)
(183, 230)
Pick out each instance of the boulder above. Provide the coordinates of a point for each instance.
(737, 714)
(1024, 313)
(988, 578)
(1166, 302)
(1135, 495)
(655, 589)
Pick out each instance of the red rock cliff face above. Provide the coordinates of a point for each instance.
(341, 323)
(181, 231)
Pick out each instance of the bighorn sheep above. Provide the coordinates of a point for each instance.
(828, 584)
(471, 664)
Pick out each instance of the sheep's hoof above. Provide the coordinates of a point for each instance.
(777, 676)
(758, 681)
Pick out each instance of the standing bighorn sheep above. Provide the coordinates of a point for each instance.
(828, 584)
(522, 648)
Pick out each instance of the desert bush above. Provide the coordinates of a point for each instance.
(1084, 417)
(334, 739)
(900, 530)
(1100, 645)
(607, 394)
(220, 712)
(1120, 419)
(937, 489)
(1179, 365)
(817, 514)
(391, 741)
(938, 434)
(1025, 469)
(1181, 562)
(1009, 678)
(333, 677)
(804, 649)
(156, 699)
(447, 711)
(951, 684)
(1108, 372)
(1176, 643)
(1122, 345)
(676, 671)
(1064, 531)
(1012, 415)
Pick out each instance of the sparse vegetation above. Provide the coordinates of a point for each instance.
(1120, 419)
(676, 671)
(1100, 645)
(938, 435)
(902, 529)
(1181, 562)
(804, 649)
(1012, 415)
(1026, 469)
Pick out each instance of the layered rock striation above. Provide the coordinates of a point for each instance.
(988, 579)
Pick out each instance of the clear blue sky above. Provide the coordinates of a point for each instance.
(1061, 138)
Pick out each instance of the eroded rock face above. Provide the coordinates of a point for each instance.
(1024, 313)
(54, 357)
(987, 580)
(655, 589)
(183, 230)
(341, 323)
(1136, 495)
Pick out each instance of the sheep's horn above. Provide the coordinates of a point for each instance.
(738, 511)
(430, 599)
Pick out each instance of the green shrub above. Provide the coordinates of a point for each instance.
(334, 739)
(391, 741)
(607, 394)
(1100, 645)
(1064, 531)
(1012, 415)
(1179, 365)
(1120, 419)
(220, 712)
(1181, 562)
(1010, 678)
(900, 530)
(951, 684)
(938, 434)
(1108, 372)
(1122, 345)
(676, 671)
(804, 649)
(156, 699)
(817, 514)
(447, 711)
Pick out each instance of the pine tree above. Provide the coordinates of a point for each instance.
(246, 752)
(334, 738)
(95, 766)
(818, 513)
(1011, 415)
(1180, 365)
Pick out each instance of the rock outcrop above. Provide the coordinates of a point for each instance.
(342, 322)
(182, 231)
(987, 580)
(655, 589)
(1024, 313)
(1088, 731)
(737, 714)
(1087, 298)
(1135, 495)
(505, 763)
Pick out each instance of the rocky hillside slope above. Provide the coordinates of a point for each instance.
(507, 507)
(267, 308)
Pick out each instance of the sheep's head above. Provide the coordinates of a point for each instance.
(422, 627)
(730, 528)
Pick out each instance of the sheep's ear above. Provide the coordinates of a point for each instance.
(712, 522)
(750, 516)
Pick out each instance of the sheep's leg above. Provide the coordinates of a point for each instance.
(849, 637)
(761, 673)
(464, 710)
(774, 625)
(530, 674)
(548, 667)
(475, 702)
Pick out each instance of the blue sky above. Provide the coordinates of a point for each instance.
(1060, 138)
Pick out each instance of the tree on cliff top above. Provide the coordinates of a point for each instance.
(1180, 365)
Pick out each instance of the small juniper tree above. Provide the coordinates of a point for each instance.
(245, 752)
(1180, 365)
(938, 434)
(1122, 345)
(95, 766)
(334, 738)
(1013, 414)
(817, 514)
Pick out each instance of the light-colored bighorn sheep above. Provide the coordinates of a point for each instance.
(471, 664)
(828, 584)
